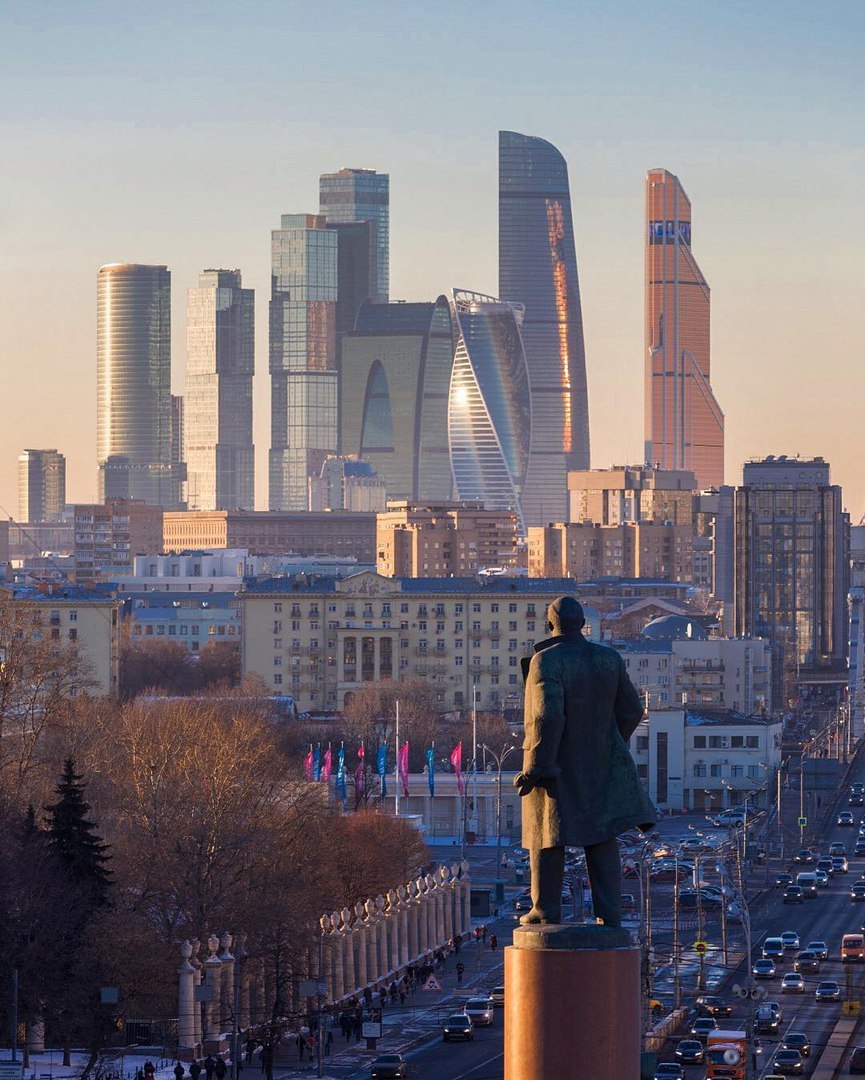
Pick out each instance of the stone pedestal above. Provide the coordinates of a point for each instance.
(572, 999)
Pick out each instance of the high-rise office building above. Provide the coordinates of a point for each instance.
(791, 567)
(395, 372)
(133, 376)
(218, 447)
(362, 195)
(490, 405)
(684, 423)
(41, 485)
(538, 269)
(356, 263)
(303, 364)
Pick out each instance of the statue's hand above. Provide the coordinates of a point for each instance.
(524, 784)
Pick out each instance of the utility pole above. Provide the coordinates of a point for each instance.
(779, 816)
(676, 948)
(801, 798)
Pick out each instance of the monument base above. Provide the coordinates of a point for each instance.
(572, 1003)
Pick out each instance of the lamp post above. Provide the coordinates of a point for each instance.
(499, 758)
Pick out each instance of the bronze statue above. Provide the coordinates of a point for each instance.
(579, 784)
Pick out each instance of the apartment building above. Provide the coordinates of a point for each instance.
(108, 536)
(584, 550)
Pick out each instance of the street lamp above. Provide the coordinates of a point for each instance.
(499, 758)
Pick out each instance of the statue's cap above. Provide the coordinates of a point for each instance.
(565, 615)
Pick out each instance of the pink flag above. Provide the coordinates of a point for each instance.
(359, 778)
(403, 768)
(327, 766)
(307, 765)
(457, 762)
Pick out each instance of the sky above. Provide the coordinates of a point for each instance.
(178, 133)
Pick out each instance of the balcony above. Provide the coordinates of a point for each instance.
(691, 666)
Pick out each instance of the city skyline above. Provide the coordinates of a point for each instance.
(782, 294)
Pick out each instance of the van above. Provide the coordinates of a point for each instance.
(807, 882)
(852, 948)
(773, 948)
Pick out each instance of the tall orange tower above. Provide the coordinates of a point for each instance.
(684, 423)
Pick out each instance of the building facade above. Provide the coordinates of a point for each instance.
(303, 359)
(394, 377)
(489, 404)
(109, 535)
(218, 442)
(792, 567)
(41, 485)
(321, 639)
(354, 195)
(583, 550)
(631, 493)
(538, 268)
(452, 539)
(133, 376)
(684, 423)
(345, 483)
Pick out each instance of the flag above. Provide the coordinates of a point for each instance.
(381, 766)
(359, 778)
(327, 767)
(339, 784)
(403, 768)
(457, 762)
(307, 765)
(431, 770)
(316, 764)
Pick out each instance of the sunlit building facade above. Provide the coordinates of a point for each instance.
(684, 423)
(218, 447)
(490, 404)
(538, 269)
(133, 385)
(303, 362)
(362, 195)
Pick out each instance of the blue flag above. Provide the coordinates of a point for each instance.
(431, 770)
(339, 783)
(316, 763)
(381, 765)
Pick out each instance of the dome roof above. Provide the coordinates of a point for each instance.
(673, 628)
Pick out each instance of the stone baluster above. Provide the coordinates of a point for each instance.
(430, 913)
(422, 946)
(186, 1000)
(381, 937)
(404, 914)
(196, 982)
(335, 944)
(227, 1003)
(321, 963)
(466, 889)
(456, 900)
(411, 925)
(447, 888)
(392, 933)
(361, 942)
(243, 983)
(212, 968)
(372, 955)
(349, 980)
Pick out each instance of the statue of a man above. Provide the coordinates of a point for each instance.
(579, 784)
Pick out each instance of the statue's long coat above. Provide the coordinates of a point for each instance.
(580, 710)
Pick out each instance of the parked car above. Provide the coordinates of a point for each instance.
(458, 1026)
(392, 1066)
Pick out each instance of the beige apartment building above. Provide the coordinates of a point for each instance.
(320, 639)
(583, 551)
(108, 536)
(443, 539)
(273, 532)
(631, 493)
(71, 616)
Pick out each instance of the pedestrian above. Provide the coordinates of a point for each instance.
(300, 1043)
(328, 1043)
(367, 996)
(484, 933)
(311, 1045)
(179, 1071)
(461, 968)
(358, 1025)
(493, 942)
(382, 996)
(250, 1049)
(209, 1066)
(458, 941)
(220, 1069)
(194, 1069)
(267, 1060)
(393, 993)
(150, 1068)
(401, 994)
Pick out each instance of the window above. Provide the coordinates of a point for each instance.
(73, 633)
(277, 607)
(458, 661)
(458, 609)
(277, 680)
(73, 616)
(752, 741)
(277, 626)
(512, 625)
(512, 680)
(717, 742)
(716, 770)
(700, 769)
(736, 771)
(699, 742)
(476, 609)
(642, 742)
(494, 608)
(512, 608)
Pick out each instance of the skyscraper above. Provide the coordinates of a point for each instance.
(41, 485)
(218, 447)
(362, 195)
(133, 379)
(303, 371)
(489, 404)
(538, 269)
(684, 423)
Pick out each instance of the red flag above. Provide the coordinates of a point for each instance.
(403, 768)
(327, 766)
(359, 777)
(457, 762)
(307, 765)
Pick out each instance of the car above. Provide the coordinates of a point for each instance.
(839, 864)
(804, 855)
(826, 866)
(764, 969)
(856, 800)
(669, 1070)
(783, 880)
(711, 1005)
(480, 1010)
(857, 1060)
(794, 894)
(820, 948)
(523, 902)
(792, 983)
(807, 962)
(458, 1026)
(797, 1040)
(773, 948)
(703, 1026)
(690, 1052)
(788, 1063)
(691, 898)
(827, 991)
(858, 891)
(497, 996)
(845, 818)
(731, 817)
(390, 1066)
(790, 939)
(860, 846)
(822, 879)
(837, 848)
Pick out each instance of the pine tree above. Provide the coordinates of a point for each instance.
(73, 839)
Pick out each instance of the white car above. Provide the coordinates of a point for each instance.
(792, 983)
(790, 939)
(480, 1010)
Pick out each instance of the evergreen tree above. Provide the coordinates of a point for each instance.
(73, 840)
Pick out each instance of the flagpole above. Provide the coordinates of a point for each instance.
(474, 818)
(396, 804)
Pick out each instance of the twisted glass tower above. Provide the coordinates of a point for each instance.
(489, 404)
(538, 268)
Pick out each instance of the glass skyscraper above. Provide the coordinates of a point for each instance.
(217, 418)
(489, 404)
(362, 195)
(303, 367)
(41, 485)
(538, 268)
(684, 423)
(133, 385)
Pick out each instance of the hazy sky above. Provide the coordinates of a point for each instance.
(179, 132)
